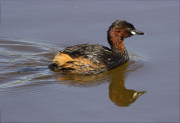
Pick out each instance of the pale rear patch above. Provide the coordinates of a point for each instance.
(61, 58)
(77, 65)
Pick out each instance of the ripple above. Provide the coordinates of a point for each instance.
(23, 61)
(25, 64)
(135, 62)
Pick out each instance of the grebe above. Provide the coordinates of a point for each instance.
(94, 58)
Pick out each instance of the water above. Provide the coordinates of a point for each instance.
(145, 89)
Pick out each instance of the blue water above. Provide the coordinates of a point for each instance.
(33, 31)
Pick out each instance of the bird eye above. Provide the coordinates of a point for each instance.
(129, 29)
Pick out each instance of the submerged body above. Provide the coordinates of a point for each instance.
(94, 58)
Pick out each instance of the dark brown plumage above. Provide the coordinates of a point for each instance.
(94, 58)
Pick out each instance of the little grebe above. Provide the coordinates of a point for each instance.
(94, 58)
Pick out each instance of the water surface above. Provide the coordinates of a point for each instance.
(145, 89)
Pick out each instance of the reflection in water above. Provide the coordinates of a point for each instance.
(117, 91)
(27, 67)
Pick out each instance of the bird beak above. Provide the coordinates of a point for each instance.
(136, 32)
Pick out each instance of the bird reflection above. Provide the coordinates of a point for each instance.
(119, 94)
(117, 90)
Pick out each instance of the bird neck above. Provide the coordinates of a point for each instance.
(116, 39)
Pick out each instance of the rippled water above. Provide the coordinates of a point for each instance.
(28, 67)
(145, 89)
